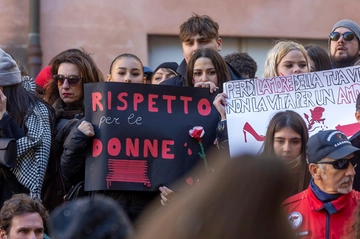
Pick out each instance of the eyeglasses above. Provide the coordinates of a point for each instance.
(348, 36)
(72, 80)
(342, 163)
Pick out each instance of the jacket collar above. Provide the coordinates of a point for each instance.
(317, 205)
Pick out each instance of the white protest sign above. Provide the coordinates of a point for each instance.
(325, 99)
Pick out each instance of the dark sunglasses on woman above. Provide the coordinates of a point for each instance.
(72, 80)
(348, 36)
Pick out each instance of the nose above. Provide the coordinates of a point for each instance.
(204, 77)
(341, 38)
(196, 46)
(286, 147)
(296, 69)
(66, 84)
(127, 78)
(32, 235)
(350, 171)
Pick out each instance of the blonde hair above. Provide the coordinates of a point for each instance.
(278, 52)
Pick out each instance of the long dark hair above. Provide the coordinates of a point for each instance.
(319, 56)
(219, 63)
(289, 119)
(20, 103)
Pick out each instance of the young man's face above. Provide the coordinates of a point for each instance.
(344, 52)
(197, 42)
(25, 226)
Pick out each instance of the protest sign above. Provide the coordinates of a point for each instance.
(325, 99)
(142, 136)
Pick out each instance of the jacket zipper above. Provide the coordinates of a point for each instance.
(327, 225)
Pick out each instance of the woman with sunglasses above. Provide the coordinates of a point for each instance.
(27, 118)
(70, 69)
(125, 68)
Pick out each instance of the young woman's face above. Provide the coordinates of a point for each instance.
(292, 63)
(162, 74)
(128, 70)
(204, 71)
(69, 93)
(287, 144)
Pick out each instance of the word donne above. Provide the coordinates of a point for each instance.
(135, 148)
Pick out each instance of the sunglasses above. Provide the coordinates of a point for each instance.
(72, 80)
(348, 36)
(342, 163)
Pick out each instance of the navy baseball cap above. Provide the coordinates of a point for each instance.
(328, 144)
(147, 69)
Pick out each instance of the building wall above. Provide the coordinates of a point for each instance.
(111, 27)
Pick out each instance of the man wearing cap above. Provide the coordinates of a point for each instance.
(344, 44)
(326, 208)
(198, 32)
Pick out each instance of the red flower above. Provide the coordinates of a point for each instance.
(197, 132)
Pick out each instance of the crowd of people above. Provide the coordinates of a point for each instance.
(298, 186)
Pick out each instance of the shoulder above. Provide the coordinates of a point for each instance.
(41, 108)
(295, 198)
(177, 81)
(234, 74)
(355, 194)
(355, 139)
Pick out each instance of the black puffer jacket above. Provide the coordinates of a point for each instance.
(73, 157)
(73, 167)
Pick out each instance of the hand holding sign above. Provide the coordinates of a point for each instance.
(86, 128)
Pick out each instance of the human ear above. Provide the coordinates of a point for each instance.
(3, 234)
(357, 116)
(219, 42)
(314, 170)
(144, 80)
(108, 77)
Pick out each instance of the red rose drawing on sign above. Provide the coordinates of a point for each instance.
(197, 132)
(316, 119)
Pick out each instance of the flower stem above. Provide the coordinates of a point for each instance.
(202, 155)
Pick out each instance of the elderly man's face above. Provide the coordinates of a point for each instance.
(332, 180)
(343, 52)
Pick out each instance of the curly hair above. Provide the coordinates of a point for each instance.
(18, 205)
(243, 63)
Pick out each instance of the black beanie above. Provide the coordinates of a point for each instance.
(169, 65)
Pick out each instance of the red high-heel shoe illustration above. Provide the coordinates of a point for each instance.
(349, 129)
(249, 129)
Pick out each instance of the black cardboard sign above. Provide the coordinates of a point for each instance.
(142, 136)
